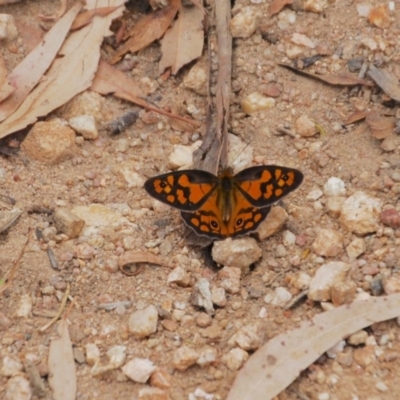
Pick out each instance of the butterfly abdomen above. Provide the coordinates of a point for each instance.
(225, 198)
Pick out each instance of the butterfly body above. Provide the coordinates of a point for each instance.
(228, 205)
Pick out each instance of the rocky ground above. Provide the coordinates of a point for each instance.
(157, 334)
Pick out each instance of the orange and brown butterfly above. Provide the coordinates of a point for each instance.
(226, 205)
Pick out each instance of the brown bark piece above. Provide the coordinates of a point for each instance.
(67, 222)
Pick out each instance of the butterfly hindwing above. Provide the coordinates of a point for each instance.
(266, 184)
(209, 220)
(185, 190)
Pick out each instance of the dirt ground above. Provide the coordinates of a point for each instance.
(93, 175)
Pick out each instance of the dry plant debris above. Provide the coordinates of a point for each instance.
(61, 363)
(280, 361)
(183, 43)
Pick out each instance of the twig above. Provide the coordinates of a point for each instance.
(223, 15)
(50, 253)
(60, 310)
(15, 267)
(291, 303)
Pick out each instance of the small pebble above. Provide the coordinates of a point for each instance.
(230, 279)
(334, 187)
(92, 353)
(244, 23)
(184, 357)
(161, 379)
(325, 277)
(235, 358)
(143, 323)
(203, 320)
(201, 296)
(208, 356)
(328, 243)
(139, 369)
(390, 217)
(218, 296)
(248, 337)
(179, 276)
(357, 338)
(256, 102)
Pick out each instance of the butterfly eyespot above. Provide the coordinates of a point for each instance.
(239, 222)
(214, 224)
(163, 185)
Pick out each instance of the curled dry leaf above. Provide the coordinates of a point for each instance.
(148, 29)
(278, 5)
(130, 263)
(183, 43)
(61, 363)
(381, 127)
(279, 362)
(386, 80)
(342, 79)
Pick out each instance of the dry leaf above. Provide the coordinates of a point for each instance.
(5, 87)
(279, 362)
(277, 6)
(27, 74)
(342, 79)
(61, 363)
(355, 117)
(183, 43)
(148, 29)
(110, 80)
(81, 54)
(386, 80)
(381, 127)
(84, 18)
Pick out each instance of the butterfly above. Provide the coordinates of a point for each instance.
(226, 205)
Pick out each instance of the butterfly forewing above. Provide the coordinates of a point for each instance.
(265, 185)
(185, 190)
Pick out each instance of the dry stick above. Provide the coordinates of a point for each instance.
(223, 15)
(15, 267)
(214, 149)
(60, 310)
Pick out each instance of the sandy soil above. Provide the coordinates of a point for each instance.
(349, 153)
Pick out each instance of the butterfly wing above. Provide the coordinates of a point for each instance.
(185, 190)
(266, 184)
(209, 221)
